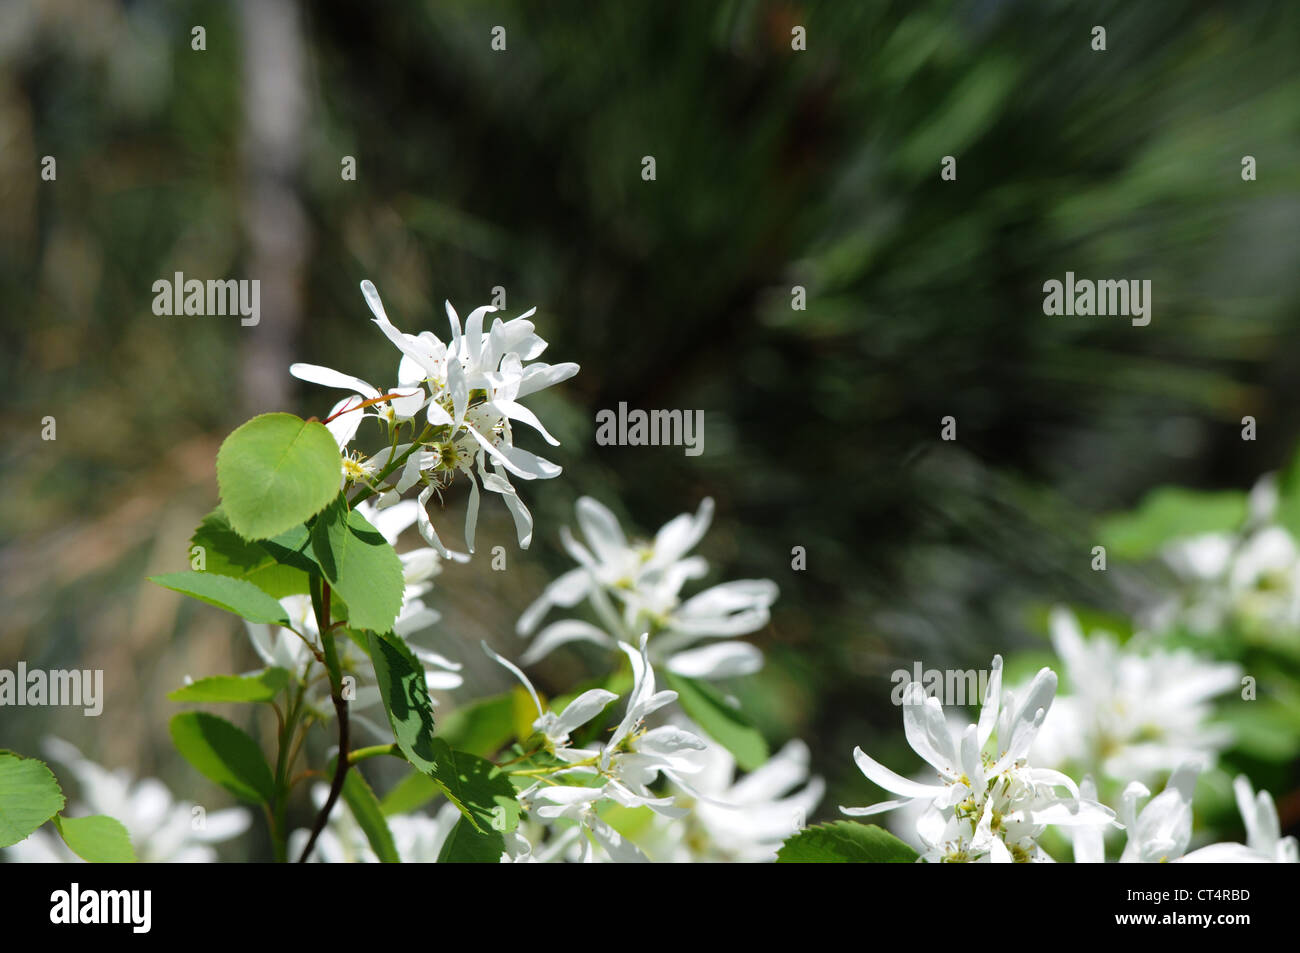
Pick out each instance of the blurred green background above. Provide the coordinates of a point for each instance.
(522, 169)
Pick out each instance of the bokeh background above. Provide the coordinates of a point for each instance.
(775, 168)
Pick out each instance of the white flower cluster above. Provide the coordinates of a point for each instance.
(459, 400)
(991, 800)
(1249, 578)
(712, 818)
(635, 587)
(987, 805)
(1134, 712)
(1162, 830)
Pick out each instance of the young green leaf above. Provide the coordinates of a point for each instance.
(845, 842)
(360, 564)
(274, 471)
(29, 796)
(226, 553)
(363, 804)
(97, 839)
(224, 754)
(226, 592)
(215, 689)
(724, 724)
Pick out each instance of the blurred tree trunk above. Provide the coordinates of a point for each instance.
(275, 116)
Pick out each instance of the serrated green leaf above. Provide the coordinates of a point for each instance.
(724, 724)
(1169, 513)
(488, 804)
(363, 804)
(406, 699)
(845, 842)
(29, 796)
(360, 564)
(226, 592)
(226, 553)
(234, 688)
(98, 839)
(224, 754)
(481, 789)
(275, 471)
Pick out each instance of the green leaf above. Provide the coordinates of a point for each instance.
(724, 724)
(360, 564)
(293, 549)
(29, 796)
(224, 754)
(275, 471)
(97, 839)
(488, 805)
(480, 789)
(225, 592)
(234, 688)
(845, 842)
(365, 808)
(406, 699)
(1169, 513)
(465, 845)
(226, 553)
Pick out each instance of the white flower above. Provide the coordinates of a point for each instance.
(987, 805)
(417, 837)
(1263, 830)
(619, 771)
(161, 830)
(1131, 715)
(635, 587)
(742, 819)
(1162, 831)
(555, 729)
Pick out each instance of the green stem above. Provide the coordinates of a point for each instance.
(320, 600)
(375, 751)
(283, 765)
